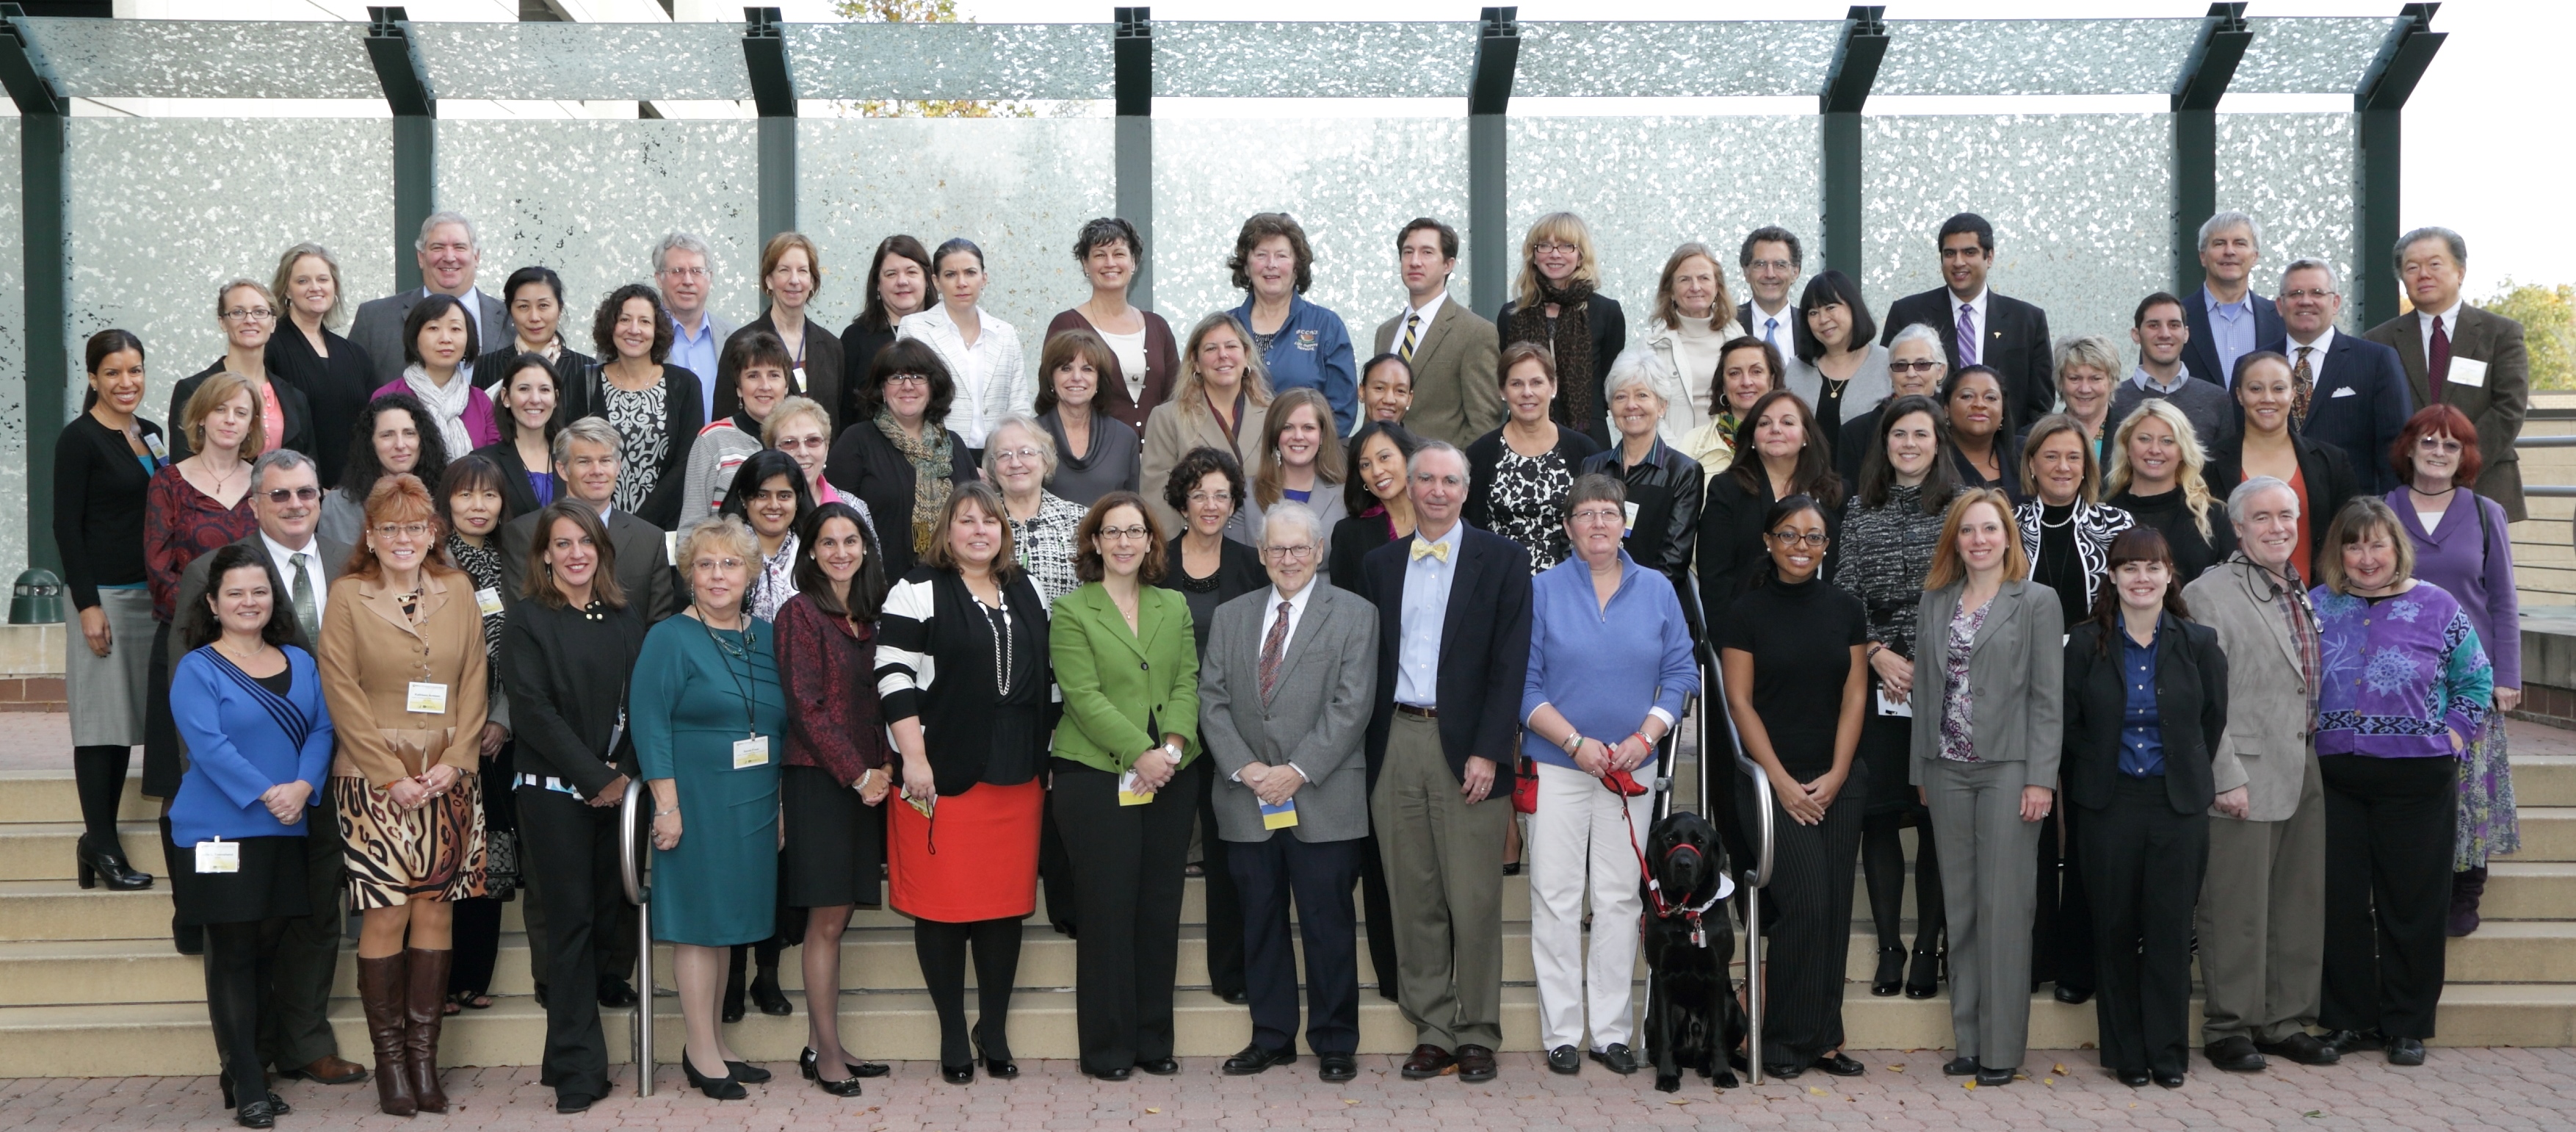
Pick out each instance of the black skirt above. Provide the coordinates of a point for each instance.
(1886, 743)
(835, 851)
(163, 764)
(270, 884)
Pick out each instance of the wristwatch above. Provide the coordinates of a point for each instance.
(1172, 750)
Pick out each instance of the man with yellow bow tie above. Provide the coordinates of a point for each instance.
(1453, 651)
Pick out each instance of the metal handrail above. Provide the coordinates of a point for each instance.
(1713, 677)
(632, 864)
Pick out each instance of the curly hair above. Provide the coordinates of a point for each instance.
(1194, 467)
(603, 324)
(1261, 227)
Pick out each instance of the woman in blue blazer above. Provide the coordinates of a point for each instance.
(249, 706)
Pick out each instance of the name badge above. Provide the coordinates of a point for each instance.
(425, 698)
(218, 856)
(1886, 706)
(1129, 794)
(751, 752)
(796, 377)
(1281, 816)
(671, 547)
(488, 599)
(152, 444)
(2467, 371)
(1629, 526)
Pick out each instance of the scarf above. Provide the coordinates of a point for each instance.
(1571, 340)
(446, 405)
(931, 467)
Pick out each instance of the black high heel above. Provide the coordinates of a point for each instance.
(1924, 979)
(1002, 1068)
(1891, 972)
(723, 1088)
(747, 1073)
(107, 863)
(845, 1087)
(958, 1074)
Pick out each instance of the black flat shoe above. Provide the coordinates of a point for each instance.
(2133, 1078)
(1837, 1065)
(1960, 1067)
(2167, 1079)
(1923, 978)
(1236, 997)
(1337, 1067)
(1121, 1073)
(2071, 996)
(2303, 1049)
(1891, 972)
(571, 1103)
(2406, 1051)
(723, 1088)
(765, 994)
(1617, 1058)
(1992, 1078)
(747, 1073)
(806, 1061)
(104, 860)
(615, 994)
(2346, 1041)
(958, 1074)
(845, 1087)
(1564, 1059)
(1161, 1066)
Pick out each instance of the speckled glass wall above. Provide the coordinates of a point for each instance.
(216, 199)
(1351, 182)
(2082, 206)
(1259, 59)
(1020, 188)
(14, 425)
(2294, 173)
(1647, 185)
(590, 199)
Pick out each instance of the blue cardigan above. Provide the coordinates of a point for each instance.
(1604, 668)
(243, 739)
(1312, 351)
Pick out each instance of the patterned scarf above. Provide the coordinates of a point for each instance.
(446, 406)
(931, 467)
(1572, 343)
(483, 565)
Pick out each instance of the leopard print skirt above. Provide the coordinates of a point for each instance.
(394, 857)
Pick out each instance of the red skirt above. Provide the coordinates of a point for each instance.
(975, 859)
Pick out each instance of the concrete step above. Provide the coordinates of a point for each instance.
(62, 910)
(48, 795)
(2544, 780)
(50, 850)
(2548, 833)
(2519, 889)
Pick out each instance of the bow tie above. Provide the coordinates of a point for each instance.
(1422, 550)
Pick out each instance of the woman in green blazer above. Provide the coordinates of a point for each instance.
(1126, 766)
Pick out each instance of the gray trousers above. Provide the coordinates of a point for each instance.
(1989, 880)
(1444, 878)
(2262, 921)
(295, 1022)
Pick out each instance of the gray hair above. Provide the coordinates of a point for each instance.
(2334, 282)
(790, 409)
(1919, 332)
(1635, 367)
(2094, 350)
(727, 531)
(681, 242)
(1597, 487)
(444, 217)
(2241, 499)
(2222, 221)
(2459, 246)
(280, 460)
(1037, 434)
(1413, 463)
(588, 430)
(1293, 514)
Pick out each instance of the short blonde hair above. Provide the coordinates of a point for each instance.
(790, 409)
(1556, 228)
(2092, 351)
(219, 388)
(726, 532)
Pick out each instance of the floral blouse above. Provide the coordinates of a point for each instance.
(774, 582)
(1528, 503)
(1958, 703)
(2400, 673)
(643, 435)
(180, 523)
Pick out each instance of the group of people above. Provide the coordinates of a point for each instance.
(887, 619)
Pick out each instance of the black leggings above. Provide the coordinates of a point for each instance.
(237, 961)
(1882, 863)
(942, 948)
(99, 773)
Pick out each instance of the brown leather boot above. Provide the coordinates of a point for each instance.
(381, 989)
(426, 1005)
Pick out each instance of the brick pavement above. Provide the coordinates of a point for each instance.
(2457, 1088)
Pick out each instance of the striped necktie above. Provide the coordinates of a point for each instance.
(1412, 322)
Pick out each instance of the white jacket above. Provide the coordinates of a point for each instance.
(1008, 389)
(1685, 409)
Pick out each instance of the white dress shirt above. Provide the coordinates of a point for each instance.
(2316, 356)
(284, 556)
(1783, 335)
(1426, 312)
(2450, 320)
(1425, 616)
(1976, 316)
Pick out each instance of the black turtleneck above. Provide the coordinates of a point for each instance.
(2166, 512)
(1801, 636)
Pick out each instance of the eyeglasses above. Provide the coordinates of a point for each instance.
(1026, 454)
(726, 564)
(281, 495)
(920, 379)
(2319, 294)
(1199, 497)
(1913, 367)
(1598, 515)
(1298, 553)
(1812, 539)
(1558, 249)
(1770, 265)
(1125, 534)
(2442, 444)
(249, 314)
(687, 272)
(402, 530)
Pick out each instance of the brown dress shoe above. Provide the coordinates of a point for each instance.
(381, 987)
(425, 1007)
(1475, 1064)
(1430, 1061)
(328, 1069)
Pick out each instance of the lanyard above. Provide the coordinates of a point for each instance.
(729, 652)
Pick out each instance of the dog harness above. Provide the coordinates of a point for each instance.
(1665, 910)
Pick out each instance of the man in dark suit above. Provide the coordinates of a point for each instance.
(1453, 614)
(2470, 359)
(1771, 261)
(1285, 697)
(295, 1025)
(2228, 320)
(1450, 351)
(2355, 388)
(448, 256)
(2007, 335)
(586, 459)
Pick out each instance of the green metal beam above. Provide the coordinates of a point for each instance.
(415, 133)
(773, 94)
(2381, 104)
(1855, 70)
(1489, 220)
(45, 232)
(1132, 52)
(2205, 76)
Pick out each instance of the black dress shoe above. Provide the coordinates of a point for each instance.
(1336, 1066)
(1428, 1061)
(570, 1103)
(2133, 1078)
(1891, 972)
(260, 1114)
(765, 993)
(1959, 1067)
(1121, 1073)
(1618, 1058)
(723, 1088)
(1784, 1071)
(1838, 1065)
(958, 1074)
(616, 994)
(1254, 1059)
(1236, 997)
(104, 860)
(2235, 1055)
(2168, 1079)
(1161, 1066)
(2301, 1048)
(1001, 1068)
(2406, 1051)
(808, 1062)
(1564, 1059)
(1476, 1064)
(747, 1073)
(2346, 1041)
(2072, 996)
(1990, 1078)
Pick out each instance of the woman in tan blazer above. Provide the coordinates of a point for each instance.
(1221, 401)
(403, 671)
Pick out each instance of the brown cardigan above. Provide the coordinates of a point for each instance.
(1162, 364)
(370, 656)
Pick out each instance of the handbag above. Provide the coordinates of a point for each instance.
(1525, 786)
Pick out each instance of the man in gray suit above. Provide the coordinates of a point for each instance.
(684, 268)
(586, 456)
(295, 1025)
(448, 255)
(1284, 705)
(2262, 901)
(1450, 349)
(2470, 359)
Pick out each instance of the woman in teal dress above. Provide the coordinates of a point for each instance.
(707, 713)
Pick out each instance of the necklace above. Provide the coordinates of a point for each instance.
(1001, 624)
(243, 658)
(2069, 520)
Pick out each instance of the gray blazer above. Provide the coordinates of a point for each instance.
(378, 330)
(2270, 737)
(1317, 717)
(1866, 390)
(2016, 671)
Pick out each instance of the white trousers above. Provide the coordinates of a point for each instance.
(1576, 835)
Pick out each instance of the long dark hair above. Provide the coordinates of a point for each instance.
(867, 589)
(1356, 496)
(1814, 474)
(359, 478)
(200, 625)
(872, 316)
(539, 578)
(2137, 544)
(1877, 474)
(509, 421)
(1796, 504)
(756, 471)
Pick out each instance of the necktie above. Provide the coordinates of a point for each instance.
(1771, 332)
(2437, 363)
(2302, 380)
(1411, 322)
(1274, 648)
(305, 615)
(1967, 335)
(1423, 549)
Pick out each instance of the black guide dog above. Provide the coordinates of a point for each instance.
(1692, 1017)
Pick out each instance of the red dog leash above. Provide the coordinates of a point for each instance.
(1619, 782)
